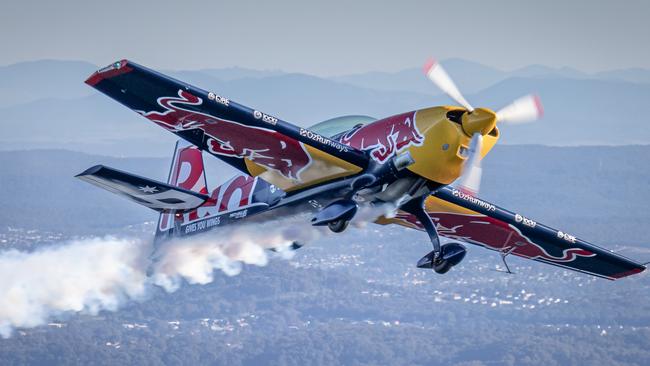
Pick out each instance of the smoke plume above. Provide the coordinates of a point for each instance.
(80, 276)
(91, 275)
(96, 274)
(194, 260)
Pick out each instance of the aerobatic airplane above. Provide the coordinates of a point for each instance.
(426, 163)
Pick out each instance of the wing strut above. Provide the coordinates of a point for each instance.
(504, 254)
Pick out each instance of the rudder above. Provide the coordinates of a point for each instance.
(187, 171)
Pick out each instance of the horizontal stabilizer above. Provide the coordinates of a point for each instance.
(156, 195)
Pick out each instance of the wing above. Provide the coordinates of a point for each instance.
(254, 142)
(156, 195)
(463, 217)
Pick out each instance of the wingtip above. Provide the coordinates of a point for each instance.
(631, 272)
(114, 69)
(90, 171)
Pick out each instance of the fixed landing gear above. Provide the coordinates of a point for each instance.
(450, 255)
(338, 226)
(336, 215)
(442, 257)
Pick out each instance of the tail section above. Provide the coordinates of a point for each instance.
(187, 172)
(144, 191)
(237, 198)
(184, 204)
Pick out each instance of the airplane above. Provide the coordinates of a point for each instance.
(425, 163)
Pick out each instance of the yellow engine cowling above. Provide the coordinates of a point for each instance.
(441, 155)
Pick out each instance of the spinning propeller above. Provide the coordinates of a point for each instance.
(477, 122)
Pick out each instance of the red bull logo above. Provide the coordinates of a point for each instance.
(265, 147)
(493, 234)
(386, 137)
(187, 172)
(235, 194)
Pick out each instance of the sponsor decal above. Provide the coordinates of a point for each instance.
(526, 221)
(235, 194)
(493, 234)
(265, 147)
(232, 195)
(567, 237)
(188, 173)
(265, 117)
(315, 204)
(386, 137)
(239, 214)
(202, 225)
(473, 200)
(219, 99)
(323, 140)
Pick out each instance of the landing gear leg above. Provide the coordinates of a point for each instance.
(442, 257)
(416, 208)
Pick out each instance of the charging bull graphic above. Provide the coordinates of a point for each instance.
(493, 234)
(262, 146)
(188, 173)
(234, 194)
(385, 137)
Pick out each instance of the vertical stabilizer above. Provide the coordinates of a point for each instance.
(187, 171)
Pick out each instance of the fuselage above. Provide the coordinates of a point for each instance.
(434, 137)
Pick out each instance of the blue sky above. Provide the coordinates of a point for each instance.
(329, 37)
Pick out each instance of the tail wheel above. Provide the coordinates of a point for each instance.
(338, 225)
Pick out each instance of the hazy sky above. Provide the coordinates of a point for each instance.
(328, 37)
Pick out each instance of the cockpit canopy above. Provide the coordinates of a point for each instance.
(338, 125)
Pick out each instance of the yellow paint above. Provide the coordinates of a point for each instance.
(432, 204)
(481, 120)
(438, 158)
(435, 204)
(323, 167)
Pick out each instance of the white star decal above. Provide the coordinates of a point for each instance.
(147, 189)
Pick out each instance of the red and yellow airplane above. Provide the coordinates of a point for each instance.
(426, 163)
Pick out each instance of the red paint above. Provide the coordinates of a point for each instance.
(100, 75)
(493, 234)
(628, 273)
(195, 180)
(386, 137)
(244, 184)
(262, 146)
(430, 64)
(538, 105)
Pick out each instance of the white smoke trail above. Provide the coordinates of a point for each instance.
(195, 259)
(81, 276)
(98, 274)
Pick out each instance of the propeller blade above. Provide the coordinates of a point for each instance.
(470, 180)
(439, 76)
(522, 110)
